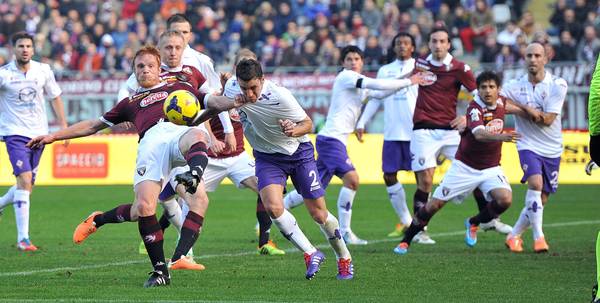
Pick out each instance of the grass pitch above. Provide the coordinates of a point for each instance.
(107, 266)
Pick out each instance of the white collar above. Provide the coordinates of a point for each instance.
(171, 69)
(446, 60)
(483, 105)
(143, 89)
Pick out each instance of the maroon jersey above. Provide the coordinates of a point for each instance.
(238, 131)
(187, 74)
(477, 154)
(436, 103)
(145, 109)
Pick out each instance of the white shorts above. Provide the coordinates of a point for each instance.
(158, 152)
(237, 169)
(460, 180)
(427, 144)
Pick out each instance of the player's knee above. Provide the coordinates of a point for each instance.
(434, 205)
(25, 181)
(425, 185)
(145, 208)
(504, 200)
(351, 180)
(274, 211)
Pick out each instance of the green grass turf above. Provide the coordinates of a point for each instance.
(445, 272)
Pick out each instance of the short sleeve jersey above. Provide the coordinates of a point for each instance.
(436, 103)
(260, 119)
(477, 154)
(145, 108)
(547, 96)
(22, 103)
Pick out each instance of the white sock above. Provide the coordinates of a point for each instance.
(344, 204)
(521, 224)
(289, 228)
(173, 213)
(21, 206)
(331, 231)
(292, 199)
(8, 197)
(535, 212)
(398, 200)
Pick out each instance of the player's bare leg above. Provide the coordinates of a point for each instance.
(344, 205)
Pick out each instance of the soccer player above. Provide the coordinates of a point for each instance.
(238, 167)
(23, 83)
(181, 24)
(162, 146)
(541, 95)
(435, 123)
(277, 127)
(476, 165)
(397, 126)
(349, 89)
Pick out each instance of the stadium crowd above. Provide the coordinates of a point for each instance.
(89, 36)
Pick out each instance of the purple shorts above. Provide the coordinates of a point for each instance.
(22, 158)
(395, 156)
(534, 164)
(300, 167)
(332, 159)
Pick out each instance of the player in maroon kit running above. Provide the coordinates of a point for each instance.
(162, 146)
(476, 165)
(436, 124)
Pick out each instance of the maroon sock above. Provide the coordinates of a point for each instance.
(264, 223)
(197, 158)
(189, 234)
(420, 199)
(152, 236)
(119, 214)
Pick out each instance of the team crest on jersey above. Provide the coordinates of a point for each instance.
(153, 98)
(141, 170)
(187, 70)
(234, 115)
(445, 191)
(182, 78)
(27, 94)
(430, 78)
(19, 163)
(495, 126)
(421, 161)
(525, 167)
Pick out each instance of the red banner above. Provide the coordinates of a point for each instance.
(83, 160)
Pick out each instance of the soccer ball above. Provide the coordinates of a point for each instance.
(181, 107)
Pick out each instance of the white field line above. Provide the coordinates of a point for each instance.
(246, 253)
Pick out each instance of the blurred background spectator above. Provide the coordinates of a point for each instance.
(102, 35)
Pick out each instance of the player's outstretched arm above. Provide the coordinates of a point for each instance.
(80, 129)
(483, 135)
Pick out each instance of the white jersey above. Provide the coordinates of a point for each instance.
(399, 107)
(205, 65)
(345, 106)
(260, 119)
(547, 96)
(22, 104)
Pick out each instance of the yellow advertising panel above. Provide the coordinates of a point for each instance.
(110, 159)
